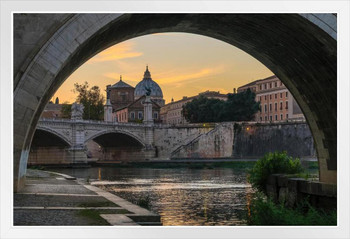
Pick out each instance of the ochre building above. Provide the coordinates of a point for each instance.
(277, 103)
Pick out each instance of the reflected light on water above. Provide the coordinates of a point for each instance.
(180, 196)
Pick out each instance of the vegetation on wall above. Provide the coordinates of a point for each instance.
(271, 163)
(238, 107)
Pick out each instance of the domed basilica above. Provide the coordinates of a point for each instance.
(148, 83)
(125, 103)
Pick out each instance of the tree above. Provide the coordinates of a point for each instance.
(91, 99)
(238, 107)
(241, 106)
(66, 110)
(203, 109)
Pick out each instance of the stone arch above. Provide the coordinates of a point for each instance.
(58, 134)
(300, 53)
(116, 131)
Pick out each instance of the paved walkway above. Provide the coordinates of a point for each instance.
(57, 199)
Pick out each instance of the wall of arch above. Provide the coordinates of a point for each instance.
(299, 52)
(49, 147)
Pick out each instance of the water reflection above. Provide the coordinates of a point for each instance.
(181, 196)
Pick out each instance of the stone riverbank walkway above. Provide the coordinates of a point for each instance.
(52, 199)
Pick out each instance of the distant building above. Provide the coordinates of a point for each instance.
(172, 113)
(277, 103)
(134, 112)
(52, 110)
(120, 94)
(125, 103)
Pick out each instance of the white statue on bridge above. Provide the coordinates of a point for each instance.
(77, 111)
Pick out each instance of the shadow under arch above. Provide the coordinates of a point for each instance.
(300, 54)
(129, 137)
(55, 133)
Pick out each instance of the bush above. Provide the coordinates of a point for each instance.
(266, 212)
(271, 163)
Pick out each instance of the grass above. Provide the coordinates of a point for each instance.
(144, 202)
(264, 211)
(92, 216)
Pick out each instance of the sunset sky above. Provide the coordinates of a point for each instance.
(182, 64)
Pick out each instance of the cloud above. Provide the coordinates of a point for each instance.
(176, 79)
(117, 52)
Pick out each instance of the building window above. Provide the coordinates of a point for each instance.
(275, 96)
(270, 97)
(270, 107)
(265, 118)
(275, 117)
(270, 117)
(132, 115)
(281, 116)
(275, 106)
(286, 116)
(270, 85)
(286, 104)
(281, 95)
(140, 115)
(265, 108)
(287, 94)
(281, 83)
(265, 97)
(155, 115)
(260, 118)
(260, 87)
(276, 84)
(281, 105)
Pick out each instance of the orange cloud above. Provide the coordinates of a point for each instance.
(180, 79)
(117, 52)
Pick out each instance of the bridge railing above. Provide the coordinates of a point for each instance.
(161, 125)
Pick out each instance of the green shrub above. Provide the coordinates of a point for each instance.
(272, 163)
(144, 201)
(265, 212)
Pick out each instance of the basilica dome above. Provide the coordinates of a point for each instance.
(148, 83)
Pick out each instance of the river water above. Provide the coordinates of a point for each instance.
(181, 196)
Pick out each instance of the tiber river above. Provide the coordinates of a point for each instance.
(181, 196)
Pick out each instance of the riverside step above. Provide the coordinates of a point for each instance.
(144, 218)
(118, 220)
(150, 223)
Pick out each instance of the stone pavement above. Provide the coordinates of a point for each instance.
(50, 199)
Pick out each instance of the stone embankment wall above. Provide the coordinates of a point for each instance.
(290, 191)
(254, 140)
(166, 140)
(216, 143)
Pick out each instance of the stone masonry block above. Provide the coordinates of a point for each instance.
(26, 99)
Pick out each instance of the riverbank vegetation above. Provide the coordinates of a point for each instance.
(264, 211)
(272, 163)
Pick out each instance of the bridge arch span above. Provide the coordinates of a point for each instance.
(116, 131)
(55, 133)
(300, 53)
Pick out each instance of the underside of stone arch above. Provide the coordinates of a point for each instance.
(300, 53)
